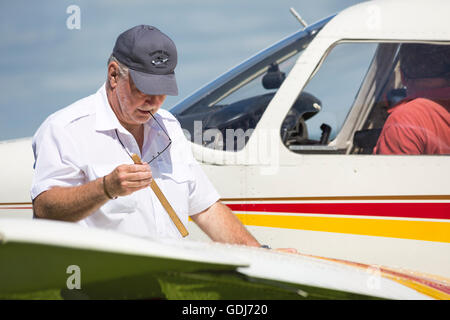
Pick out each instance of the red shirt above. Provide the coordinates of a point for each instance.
(420, 124)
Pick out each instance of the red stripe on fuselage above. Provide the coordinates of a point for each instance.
(403, 210)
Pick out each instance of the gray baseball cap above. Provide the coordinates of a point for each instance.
(151, 57)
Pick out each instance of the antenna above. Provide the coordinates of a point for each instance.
(297, 16)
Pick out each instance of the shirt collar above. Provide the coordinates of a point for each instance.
(105, 117)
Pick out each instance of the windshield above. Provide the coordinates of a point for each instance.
(234, 103)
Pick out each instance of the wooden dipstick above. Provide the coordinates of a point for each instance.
(172, 214)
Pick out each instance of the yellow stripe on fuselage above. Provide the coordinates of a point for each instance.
(405, 229)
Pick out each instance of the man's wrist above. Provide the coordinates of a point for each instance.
(105, 190)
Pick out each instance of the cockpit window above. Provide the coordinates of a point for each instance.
(225, 117)
(237, 111)
(318, 116)
(265, 81)
(374, 98)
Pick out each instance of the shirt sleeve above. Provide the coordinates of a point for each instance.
(55, 157)
(202, 193)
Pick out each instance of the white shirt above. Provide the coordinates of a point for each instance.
(79, 144)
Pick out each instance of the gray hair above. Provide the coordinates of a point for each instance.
(123, 69)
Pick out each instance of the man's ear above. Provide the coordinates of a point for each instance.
(113, 74)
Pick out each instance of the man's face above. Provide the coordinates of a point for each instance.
(134, 106)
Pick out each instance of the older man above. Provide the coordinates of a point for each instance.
(83, 169)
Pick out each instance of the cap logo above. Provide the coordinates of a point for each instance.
(159, 58)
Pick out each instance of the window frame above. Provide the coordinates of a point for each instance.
(358, 111)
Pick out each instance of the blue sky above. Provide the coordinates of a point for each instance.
(45, 66)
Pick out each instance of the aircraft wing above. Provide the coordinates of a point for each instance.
(38, 259)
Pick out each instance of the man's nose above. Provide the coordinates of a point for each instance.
(154, 99)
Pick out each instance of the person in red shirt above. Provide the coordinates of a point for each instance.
(420, 123)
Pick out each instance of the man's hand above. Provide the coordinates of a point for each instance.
(128, 178)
